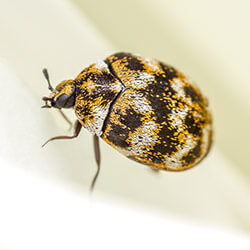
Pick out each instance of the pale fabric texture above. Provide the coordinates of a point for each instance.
(210, 43)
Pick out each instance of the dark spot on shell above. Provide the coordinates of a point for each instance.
(118, 136)
(192, 127)
(121, 55)
(132, 119)
(190, 92)
(131, 61)
(134, 63)
(193, 154)
(103, 78)
(169, 71)
(167, 148)
(159, 99)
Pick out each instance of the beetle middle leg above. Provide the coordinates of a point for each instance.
(77, 130)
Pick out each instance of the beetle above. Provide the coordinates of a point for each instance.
(147, 110)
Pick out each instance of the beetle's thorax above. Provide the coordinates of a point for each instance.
(97, 89)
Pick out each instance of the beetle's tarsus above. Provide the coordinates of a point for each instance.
(46, 106)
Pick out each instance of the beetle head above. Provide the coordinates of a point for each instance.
(63, 96)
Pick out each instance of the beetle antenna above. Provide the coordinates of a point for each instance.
(46, 74)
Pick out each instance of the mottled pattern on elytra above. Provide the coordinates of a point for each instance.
(161, 119)
(145, 109)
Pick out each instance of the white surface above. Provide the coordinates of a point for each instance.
(36, 214)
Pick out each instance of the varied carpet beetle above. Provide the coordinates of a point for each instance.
(145, 109)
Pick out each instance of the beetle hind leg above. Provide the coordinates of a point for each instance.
(97, 159)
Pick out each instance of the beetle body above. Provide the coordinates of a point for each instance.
(145, 109)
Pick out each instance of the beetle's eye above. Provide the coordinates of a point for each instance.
(65, 101)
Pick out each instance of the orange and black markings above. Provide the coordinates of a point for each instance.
(145, 109)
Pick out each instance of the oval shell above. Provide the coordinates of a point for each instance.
(147, 110)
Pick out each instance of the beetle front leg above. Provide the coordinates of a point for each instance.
(66, 118)
(77, 130)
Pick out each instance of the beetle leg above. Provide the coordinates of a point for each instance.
(97, 159)
(154, 170)
(77, 130)
(66, 118)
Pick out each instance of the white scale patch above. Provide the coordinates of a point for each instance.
(178, 117)
(100, 114)
(151, 63)
(146, 137)
(140, 102)
(178, 87)
(141, 80)
(174, 162)
(100, 64)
